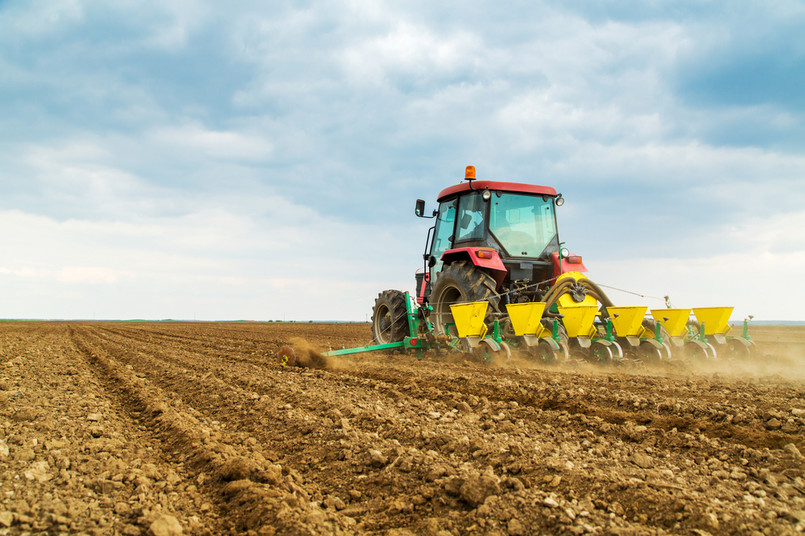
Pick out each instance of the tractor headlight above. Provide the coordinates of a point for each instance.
(560, 200)
(564, 252)
(487, 195)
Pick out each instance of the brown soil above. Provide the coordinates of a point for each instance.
(193, 428)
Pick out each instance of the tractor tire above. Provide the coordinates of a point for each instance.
(390, 317)
(461, 282)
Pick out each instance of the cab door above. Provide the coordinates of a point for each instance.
(443, 234)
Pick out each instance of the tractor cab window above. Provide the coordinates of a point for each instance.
(523, 224)
(470, 217)
(445, 223)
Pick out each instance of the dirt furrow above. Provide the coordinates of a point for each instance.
(617, 397)
(509, 458)
(253, 492)
(66, 430)
(207, 430)
(687, 408)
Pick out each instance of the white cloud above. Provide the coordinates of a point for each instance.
(688, 162)
(81, 178)
(91, 274)
(21, 272)
(534, 120)
(213, 263)
(408, 50)
(760, 277)
(778, 234)
(763, 284)
(40, 18)
(200, 141)
(180, 18)
(248, 160)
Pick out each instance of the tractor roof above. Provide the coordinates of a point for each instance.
(514, 187)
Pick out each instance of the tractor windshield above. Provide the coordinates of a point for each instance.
(523, 224)
(471, 210)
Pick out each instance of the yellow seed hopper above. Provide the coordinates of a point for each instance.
(628, 325)
(715, 321)
(675, 322)
(578, 321)
(469, 318)
(526, 321)
(472, 330)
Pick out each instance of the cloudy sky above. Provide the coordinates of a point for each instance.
(260, 160)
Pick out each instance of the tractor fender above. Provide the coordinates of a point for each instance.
(487, 259)
(571, 264)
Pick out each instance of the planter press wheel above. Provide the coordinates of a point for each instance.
(600, 353)
(286, 356)
(564, 345)
(650, 353)
(740, 348)
(505, 352)
(698, 350)
(487, 351)
(617, 351)
(564, 348)
(493, 352)
(545, 353)
(664, 349)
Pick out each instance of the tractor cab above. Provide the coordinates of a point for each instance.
(507, 230)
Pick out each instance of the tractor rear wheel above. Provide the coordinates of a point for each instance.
(461, 282)
(390, 317)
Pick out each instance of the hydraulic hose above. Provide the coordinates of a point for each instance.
(556, 291)
(592, 290)
(601, 295)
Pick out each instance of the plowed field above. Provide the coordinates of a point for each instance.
(171, 428)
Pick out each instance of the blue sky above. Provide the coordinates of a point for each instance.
(261, 160)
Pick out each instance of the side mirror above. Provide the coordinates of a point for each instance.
(420, 208)
(431, 261)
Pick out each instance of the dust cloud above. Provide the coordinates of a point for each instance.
(308, 356)
(780, 355)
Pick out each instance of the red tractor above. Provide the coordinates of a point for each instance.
(495, 242)
(496, 275)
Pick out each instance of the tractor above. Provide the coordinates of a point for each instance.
(495, 242)
(496, 275)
